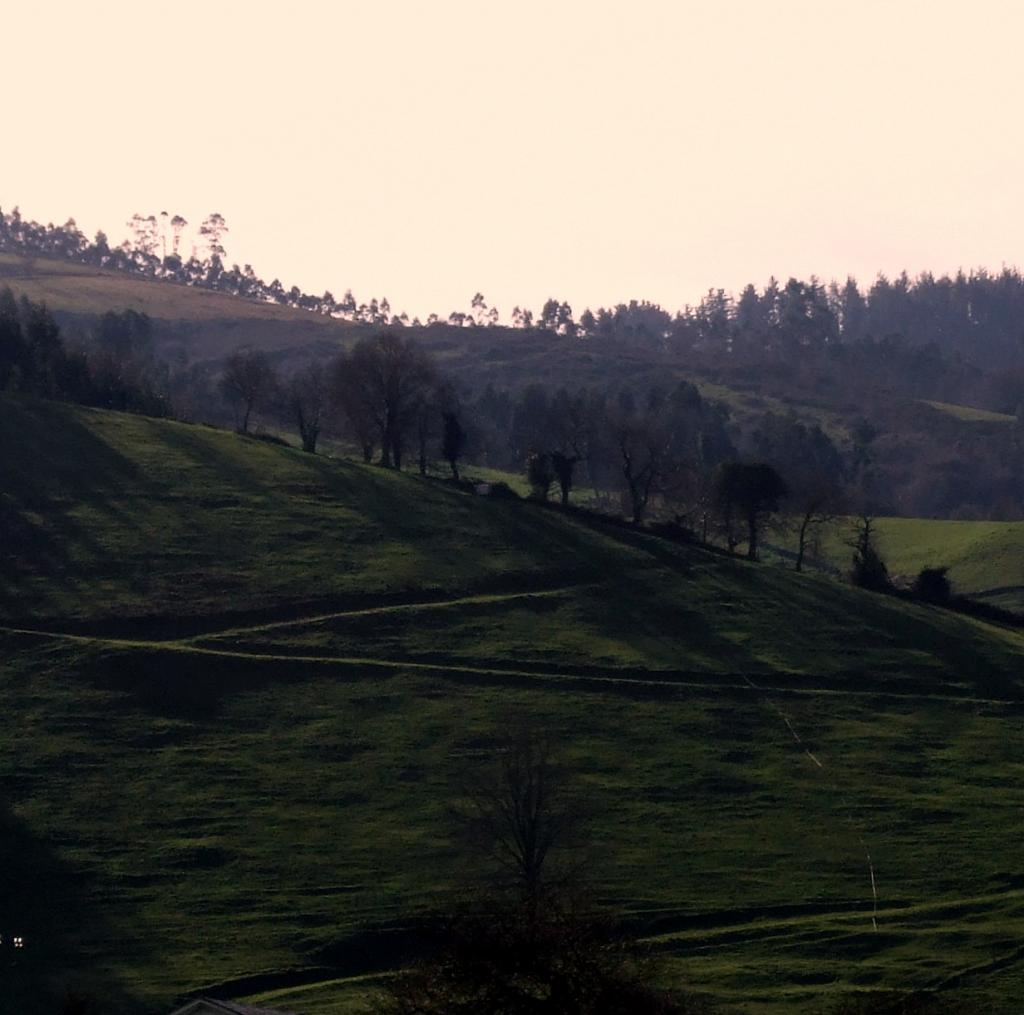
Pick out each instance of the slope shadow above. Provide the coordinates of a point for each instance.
(43, 901)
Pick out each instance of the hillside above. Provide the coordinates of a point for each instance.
(241, 683)
(206, 325)
(985, 559)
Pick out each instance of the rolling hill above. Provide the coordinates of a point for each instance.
(985, 559)
(242, 685)
(205, 325)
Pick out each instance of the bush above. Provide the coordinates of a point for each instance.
(932, 586)
(541, 474)
(869, 571)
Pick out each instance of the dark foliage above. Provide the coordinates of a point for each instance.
(933, 586)
(541, 474)
(453, 441)
(116, 370)
(558, 958)
(749, 492)
(868, 569)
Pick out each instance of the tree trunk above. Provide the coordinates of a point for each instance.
(639, 504)
(802, 542)
(751, 538)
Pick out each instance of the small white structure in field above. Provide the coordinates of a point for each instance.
(207, 1006)
(482, 489)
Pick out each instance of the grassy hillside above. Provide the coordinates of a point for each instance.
(242, 682)
(83, 289)
(969, 414)
(985, 559)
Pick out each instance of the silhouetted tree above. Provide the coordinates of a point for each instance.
(540, 474)
(305, 400)
(352, 403)
(563, 466)
(453, 441)
(752, 491)
(531, 943)
(212, 232)
(868, 569)
(813, 469)
(933, 586)
(388, 376)
(13, 354)
(248, 383)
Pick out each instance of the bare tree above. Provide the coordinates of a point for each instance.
(532, 942)
(650, 446)
(386, 380)
(522, 810)
(354, 407)
(248, 383)
(305, 403)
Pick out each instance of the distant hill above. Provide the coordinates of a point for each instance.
(206, 325)
(241, 684)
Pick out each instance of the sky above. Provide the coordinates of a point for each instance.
(591, 151)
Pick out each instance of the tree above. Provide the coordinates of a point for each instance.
(212, 231)
(349, 401)
(13, 353)
(868, 569)
(248, 383)
(425, 427)
(522, 813)
(751, 490)
(563, 466)
(178, 223)
(568, 434)
(651, 441)
(531, 943)
(386, 379)
(453, 440)
(933, 585)
(540, 474)
(813, 469)
(305, 403)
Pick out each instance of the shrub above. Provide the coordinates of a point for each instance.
(932, 586)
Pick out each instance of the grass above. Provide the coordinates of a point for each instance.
(85, 290)
(985, 559)
(969, 414)
(233, 750)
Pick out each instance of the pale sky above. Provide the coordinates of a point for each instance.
(587, 150)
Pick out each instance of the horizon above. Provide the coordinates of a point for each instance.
(577, 154)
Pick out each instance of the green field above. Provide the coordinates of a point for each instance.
(240, 684)
(985, 559)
